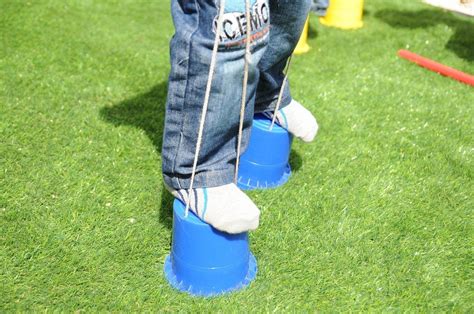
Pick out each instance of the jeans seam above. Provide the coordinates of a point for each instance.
(186, 89)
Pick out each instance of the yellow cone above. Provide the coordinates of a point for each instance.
(302, 46)
(346, 14)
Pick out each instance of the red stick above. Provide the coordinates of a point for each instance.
(437, 67)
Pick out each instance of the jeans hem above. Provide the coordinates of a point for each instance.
(270, 105)
(206, 179)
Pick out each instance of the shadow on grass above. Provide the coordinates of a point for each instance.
(461, 42)
(312, 31)
(147, 112)
(166, 209)
(295, 161)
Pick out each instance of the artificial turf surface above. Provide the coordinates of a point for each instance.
(377, 215)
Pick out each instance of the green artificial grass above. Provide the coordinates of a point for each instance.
(377, 215)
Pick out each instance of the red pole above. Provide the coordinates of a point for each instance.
(437, 67)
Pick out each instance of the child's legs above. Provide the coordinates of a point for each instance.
(287, 22)
(191, 50)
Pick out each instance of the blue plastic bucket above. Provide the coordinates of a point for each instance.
(204, 261)
(265, 162)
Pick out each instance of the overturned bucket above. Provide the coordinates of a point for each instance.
(204, 261)
(265, 162)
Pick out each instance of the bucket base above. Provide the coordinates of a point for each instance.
(182, 286)
(300, 49)
(341, 24)
(249, 182)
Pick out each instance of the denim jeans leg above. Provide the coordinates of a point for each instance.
(287, 22)
(190, 52)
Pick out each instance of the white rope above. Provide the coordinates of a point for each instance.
(206, 101)
(280, 95)
(244, 88)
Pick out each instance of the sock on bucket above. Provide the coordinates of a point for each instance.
(225, 207)
(298, 120)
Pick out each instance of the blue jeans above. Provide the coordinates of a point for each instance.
(320, 7)
(275, 27)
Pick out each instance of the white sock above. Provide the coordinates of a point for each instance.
(225, 207)
(298, 120)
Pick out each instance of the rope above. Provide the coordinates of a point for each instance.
(206, 100)
(244, 89)
(280, 95)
